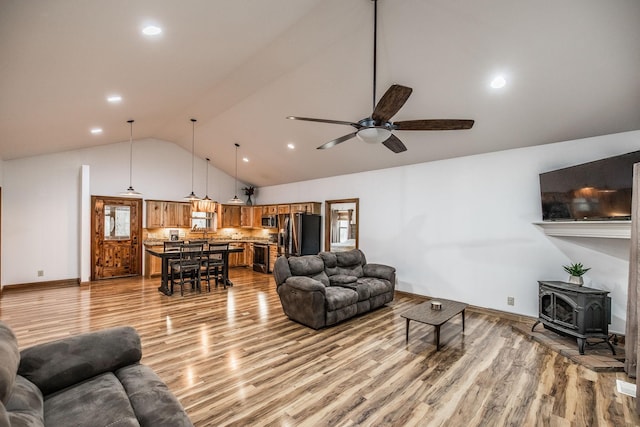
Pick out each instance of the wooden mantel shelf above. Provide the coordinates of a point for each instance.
(602, 229)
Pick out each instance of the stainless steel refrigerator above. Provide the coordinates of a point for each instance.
(299, 235)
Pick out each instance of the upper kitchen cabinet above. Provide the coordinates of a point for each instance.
(231, 216)
(308, 207)
(161, 213)
(257, 217)
(270, 210)
(284, 209)
(246, 216)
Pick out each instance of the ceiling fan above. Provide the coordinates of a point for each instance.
(379, 127)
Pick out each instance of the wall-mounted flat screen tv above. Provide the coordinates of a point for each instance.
(599, 190)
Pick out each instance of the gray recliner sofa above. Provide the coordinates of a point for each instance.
(92, 380)
(325, 289)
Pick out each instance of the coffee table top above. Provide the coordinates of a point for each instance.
(425, 314)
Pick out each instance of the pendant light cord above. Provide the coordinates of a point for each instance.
(375, 38)
(236, 177)
(193, 146)
(130, 152)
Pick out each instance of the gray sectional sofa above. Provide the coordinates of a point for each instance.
(325, 289)
(92, 380)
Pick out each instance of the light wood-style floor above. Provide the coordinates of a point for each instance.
(233, 358)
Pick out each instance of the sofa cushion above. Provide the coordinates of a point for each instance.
(10, 357)
(376, 286)
(25, 406)
(98, 402)
(55, 365)
(153, 403)
(310, 266)
(338, 297)
(342, 279)
(347, 263)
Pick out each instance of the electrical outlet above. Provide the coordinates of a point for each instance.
(511, 301)
(40, 273)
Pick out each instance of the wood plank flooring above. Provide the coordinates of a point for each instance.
(233, 358)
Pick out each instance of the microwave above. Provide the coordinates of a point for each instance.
(270, 221)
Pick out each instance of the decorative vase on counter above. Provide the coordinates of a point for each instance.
(576, 280)
(249, 201)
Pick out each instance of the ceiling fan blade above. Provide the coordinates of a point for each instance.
(335, 122)
(394, 144)
(337, 141)
(393, 99)
(436, 124)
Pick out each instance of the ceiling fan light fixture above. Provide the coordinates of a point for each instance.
(373, 135)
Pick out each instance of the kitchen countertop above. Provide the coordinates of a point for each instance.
(160, 242)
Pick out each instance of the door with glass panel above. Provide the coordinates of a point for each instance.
(116, 246)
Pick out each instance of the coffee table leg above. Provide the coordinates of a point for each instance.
(438, 338)
(407, 333)
(462, 320)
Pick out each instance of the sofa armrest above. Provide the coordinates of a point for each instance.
(58, 364)
(304, 283)
(380, 271)
(342, 279)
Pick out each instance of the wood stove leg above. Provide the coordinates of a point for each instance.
(534, 325)
(611, 347)
(581, 342)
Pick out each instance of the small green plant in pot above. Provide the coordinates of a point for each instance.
(576, 270)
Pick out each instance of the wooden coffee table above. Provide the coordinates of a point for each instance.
(425, 314)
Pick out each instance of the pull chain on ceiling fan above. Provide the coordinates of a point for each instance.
(379, 127)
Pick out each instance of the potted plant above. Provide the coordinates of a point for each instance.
(248, 191)
(576, 270)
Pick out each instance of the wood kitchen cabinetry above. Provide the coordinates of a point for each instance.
(231, 216)
(273, 255)
(162, 213)
(284, 209)
(308, 207)
(152, 266)
(270, 210)
(257, 217)
(246, 216)
(241, 259)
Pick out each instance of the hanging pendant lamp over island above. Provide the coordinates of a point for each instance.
(236, 200)
(192, 196)
(130, 191)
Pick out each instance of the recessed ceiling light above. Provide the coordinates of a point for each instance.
(498, 82)
(114, 99)
(245, 159)
(151, 30)
(96, 131)
(291, 146)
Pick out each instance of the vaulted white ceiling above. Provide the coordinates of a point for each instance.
(241, 66)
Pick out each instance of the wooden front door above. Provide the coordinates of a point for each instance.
(116, 237)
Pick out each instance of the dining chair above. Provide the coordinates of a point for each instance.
(213, 265)
(172, 246)
(187, 267)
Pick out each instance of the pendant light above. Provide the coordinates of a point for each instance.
(206, 196)
(236, 200)
(206, 204)
(130, 191)
(192, 196)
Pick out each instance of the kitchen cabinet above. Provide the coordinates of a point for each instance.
(246, 216)
(240, 259)
(273, 255)
(152, 266)
(270, 210)
(283, 209)
(231, 216)
(162, 213)
(257, 217)
(308, 207)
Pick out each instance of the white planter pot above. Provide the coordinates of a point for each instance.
(576, 280)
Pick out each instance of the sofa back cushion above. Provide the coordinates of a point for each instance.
(348, 263)
(9, 361)
(310, 266)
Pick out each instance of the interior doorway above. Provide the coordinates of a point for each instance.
(116, 243)
(341, 225)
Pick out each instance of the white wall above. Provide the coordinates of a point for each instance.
(42, 222)
(462, 228)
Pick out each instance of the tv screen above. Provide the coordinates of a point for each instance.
(599, 190)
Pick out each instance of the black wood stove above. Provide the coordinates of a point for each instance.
(575, 311)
